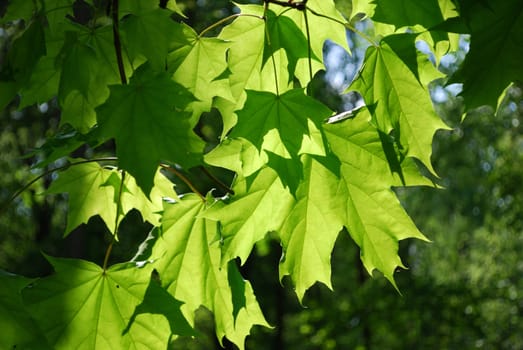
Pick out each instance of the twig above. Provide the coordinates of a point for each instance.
(183, 178)
(217, 181)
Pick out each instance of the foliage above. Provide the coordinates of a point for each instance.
(131, 72)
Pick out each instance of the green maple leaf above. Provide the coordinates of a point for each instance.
(189, 263)
(325, 23)
(147, 121)
(286, 125)
(495, 28)
(88, 66)
(244, 219)
(95, 309)
(310, 229)
(88, 195)
(398, 101)
(141, 27)
(198, 66)
(369, 168)
(404, 13)
(245, 61)
(283, 33)
(94, 190)
(19, 329)
(43, 83)
(238, 155)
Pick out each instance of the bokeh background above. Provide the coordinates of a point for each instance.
(464, 290)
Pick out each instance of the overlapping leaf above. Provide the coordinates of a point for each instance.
(245, 61)
(93, 308)
(147, 121)
(373, 214)
(189, 263)
(255, 209)
(141, 27)
(283, 33)
(310, 228)
(285, 125)
(94, 190)
(325, 23)
(199, 66)
(398, 101)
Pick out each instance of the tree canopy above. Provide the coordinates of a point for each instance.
(133, 82)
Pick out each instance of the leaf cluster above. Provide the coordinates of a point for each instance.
(133, 73)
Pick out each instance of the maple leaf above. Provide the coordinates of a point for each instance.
(404, 13)
(285, 125)
(106, 300)
(87, 194)
(283, 33)
(245, 61)
(398, 101)
(198, 65)
(19, 329)
(496, 28)
(189, 264)
(373, 215)
(244, 218)
(325, 23)
(310, 228)
(140, 27)
(88, 66)
(147, 121)
(94, 190)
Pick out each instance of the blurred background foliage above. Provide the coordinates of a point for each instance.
(462, 291)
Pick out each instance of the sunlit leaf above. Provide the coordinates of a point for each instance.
(81, 293)
(398, 101)
(189, 264)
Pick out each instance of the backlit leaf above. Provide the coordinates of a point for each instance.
(81, 293)
(374, 217)
(189, 264)
(398, 101)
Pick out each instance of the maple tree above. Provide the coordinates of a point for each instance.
(131, 71)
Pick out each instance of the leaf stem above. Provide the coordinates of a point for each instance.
(107, 254)
(273, 60)
(117, 42)
(226, 19)
(116, 222)
(217, 181)
(44, 174)
(309, 48)
(183, 178)
(346, 25)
